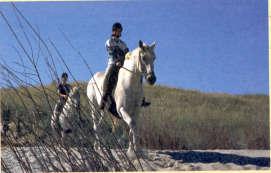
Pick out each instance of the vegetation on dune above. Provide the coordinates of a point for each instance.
(176, 119)
(192, 120)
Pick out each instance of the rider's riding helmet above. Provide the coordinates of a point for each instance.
(64, 75)
(116, 26)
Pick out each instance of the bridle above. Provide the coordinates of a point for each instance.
(137, 65)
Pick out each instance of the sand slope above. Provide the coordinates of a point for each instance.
(207, 160)
(165, 160)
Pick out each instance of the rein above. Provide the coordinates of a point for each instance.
(127, 69)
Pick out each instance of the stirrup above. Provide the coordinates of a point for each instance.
(114, 112)
(102, 105)
(145, 103)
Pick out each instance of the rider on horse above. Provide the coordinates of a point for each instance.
(117, 50)
(63, 90)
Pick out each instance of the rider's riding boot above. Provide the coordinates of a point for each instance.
(103, 101)
(110, 81)
(113, 108)
(144, 103)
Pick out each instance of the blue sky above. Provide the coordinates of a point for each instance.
(206, 45)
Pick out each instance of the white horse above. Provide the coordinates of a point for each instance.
(128, 92)
(69, 115)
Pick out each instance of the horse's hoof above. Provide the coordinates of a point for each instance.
(67, 131)
(131, 154)
(97, 147)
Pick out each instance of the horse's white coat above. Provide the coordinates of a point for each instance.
(129, 90)
(70, 113)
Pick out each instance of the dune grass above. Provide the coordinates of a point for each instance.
(176, 119)
(182, 119)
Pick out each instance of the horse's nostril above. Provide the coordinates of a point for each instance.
(154, 79)
(151, 79)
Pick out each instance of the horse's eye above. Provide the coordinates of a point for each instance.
(142, 54)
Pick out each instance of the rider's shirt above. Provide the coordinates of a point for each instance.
(116, 49)
(63, 89)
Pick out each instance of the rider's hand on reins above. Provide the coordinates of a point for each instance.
(118, 64)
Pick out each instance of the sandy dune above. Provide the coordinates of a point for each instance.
(207, 160)
(165, 160)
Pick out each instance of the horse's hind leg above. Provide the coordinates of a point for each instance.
(96, 123)
(97, 139)
(97, 115)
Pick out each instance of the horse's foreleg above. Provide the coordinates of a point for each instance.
(115, 124)
(132, 136)
(54, 123)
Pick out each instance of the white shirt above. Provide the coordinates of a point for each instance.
(111, 45)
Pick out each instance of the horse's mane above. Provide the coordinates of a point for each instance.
(133, 57)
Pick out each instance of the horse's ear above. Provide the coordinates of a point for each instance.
(140, 43)
(76, 88)
(152, 46)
